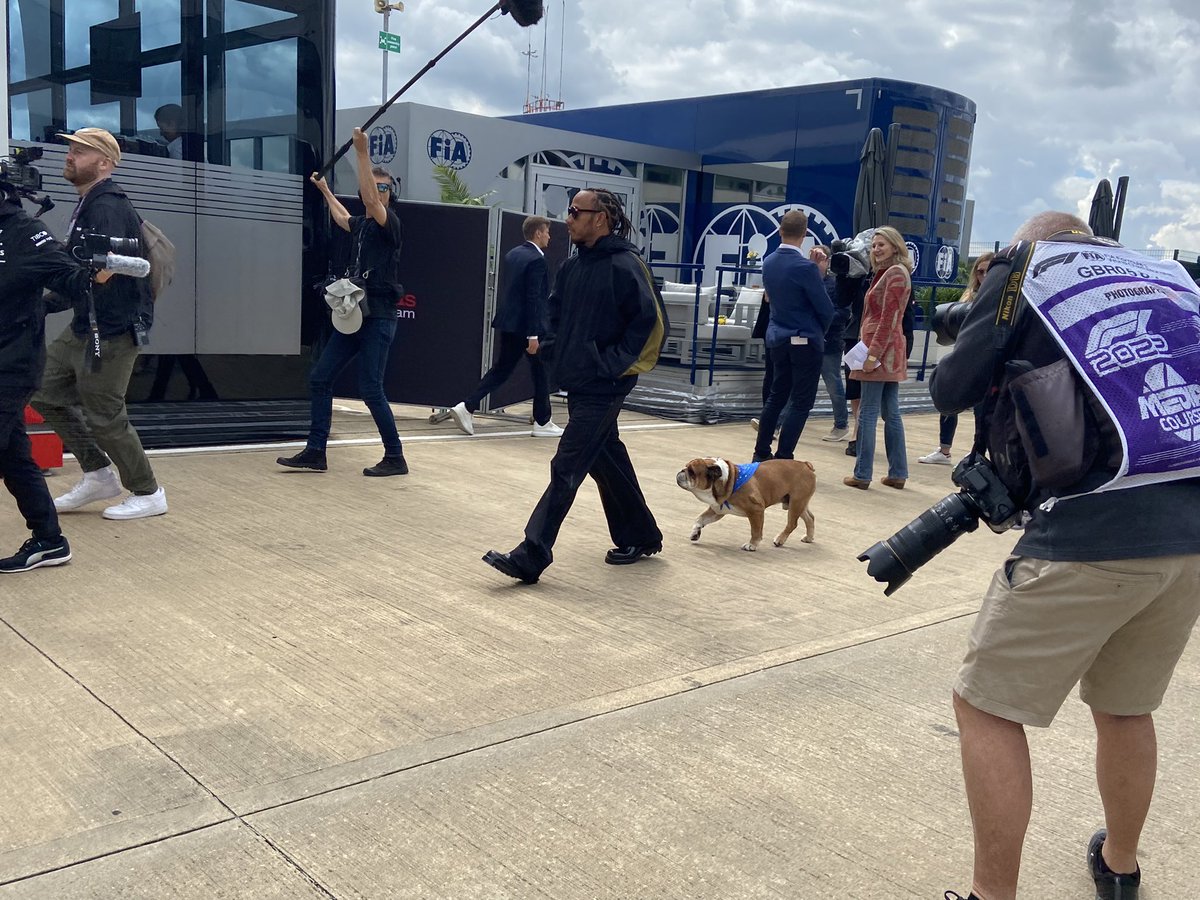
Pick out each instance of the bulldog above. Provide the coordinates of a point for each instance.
(747, 490)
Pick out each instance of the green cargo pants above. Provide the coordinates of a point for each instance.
(87, 409)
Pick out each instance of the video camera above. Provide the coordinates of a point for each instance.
(852, 258)
(982, 496)
(20, 176)
(95, 248)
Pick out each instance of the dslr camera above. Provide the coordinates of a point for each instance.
(948, 319)
(982, 496)
(95, 249)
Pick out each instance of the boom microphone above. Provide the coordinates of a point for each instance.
(524, 13)
(133, 266)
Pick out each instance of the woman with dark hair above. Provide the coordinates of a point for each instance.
(886, 365)
(362, 331)
(947, 425)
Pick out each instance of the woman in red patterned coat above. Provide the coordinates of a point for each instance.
(887, 360)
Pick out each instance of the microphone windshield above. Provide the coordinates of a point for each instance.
(133, 266)
(524, 12)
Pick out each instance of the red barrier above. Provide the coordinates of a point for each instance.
(47, 448)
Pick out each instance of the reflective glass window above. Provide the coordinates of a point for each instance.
(160, 86)
(160, 23)
(241, 14)
(82, 114)
(31, 116)
(28, 39)
(260, 82)
(78, 18)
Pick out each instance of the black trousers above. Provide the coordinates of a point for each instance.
(797, 372)
(512, 348)
(590, 445)
(22, 476)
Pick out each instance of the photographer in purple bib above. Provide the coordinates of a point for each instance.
(1084, 358)
(364, 315)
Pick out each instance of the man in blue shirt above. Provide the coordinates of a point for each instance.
(800, 313)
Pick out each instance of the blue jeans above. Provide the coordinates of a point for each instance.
(831, 374)
(877, 394)
(370, 344)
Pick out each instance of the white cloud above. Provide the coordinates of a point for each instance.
(1066, 93)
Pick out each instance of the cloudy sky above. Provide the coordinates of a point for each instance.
(1067, 91)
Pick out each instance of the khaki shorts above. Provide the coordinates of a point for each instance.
(1118, 628)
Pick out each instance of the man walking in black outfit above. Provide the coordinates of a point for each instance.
(32, 260)
(608, 327)
(520, 321)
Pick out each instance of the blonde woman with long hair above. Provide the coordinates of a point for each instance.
(886, 365)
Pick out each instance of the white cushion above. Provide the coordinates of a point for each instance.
(675, 287)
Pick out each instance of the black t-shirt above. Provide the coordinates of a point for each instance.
(374, 253)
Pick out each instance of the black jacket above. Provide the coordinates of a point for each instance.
(30, 260)
(608, 323)
(1131, 523)
(122, 301)
(521, 308)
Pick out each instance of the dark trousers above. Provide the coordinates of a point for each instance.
(22, 476)
(590, 445)
(512, 348)
(371, 344)
(793, 391)
(768, 375)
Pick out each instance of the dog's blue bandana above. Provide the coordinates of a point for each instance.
(744, 474)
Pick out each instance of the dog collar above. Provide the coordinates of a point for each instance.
(744, 473)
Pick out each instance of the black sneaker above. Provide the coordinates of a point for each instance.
(1110, 885)
(389, 465)
(953, 895)
(852, 450)
(37, 552)
(305, 459)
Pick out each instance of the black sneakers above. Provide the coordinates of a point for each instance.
(951, 895)
(1110, 885)
(389, 465)
(305, 459)
(35, 553)
(852, 450)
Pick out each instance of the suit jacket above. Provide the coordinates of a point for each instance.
(525, 283)
(800, 307)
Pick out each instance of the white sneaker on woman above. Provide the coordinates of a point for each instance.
(937, 458)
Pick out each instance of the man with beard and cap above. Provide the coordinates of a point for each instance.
(32, 260)
(607, 326)
(84, 402)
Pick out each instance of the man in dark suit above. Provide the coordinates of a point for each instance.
(520, 320)
(800, 313)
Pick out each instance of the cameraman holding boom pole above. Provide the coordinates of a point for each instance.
(1084, 355)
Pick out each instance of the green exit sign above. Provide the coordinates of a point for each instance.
(389, 41)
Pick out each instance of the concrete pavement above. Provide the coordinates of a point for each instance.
(308, 685)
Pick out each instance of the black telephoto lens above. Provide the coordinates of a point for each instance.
(894, 560)
(947, 320)
(124, 246)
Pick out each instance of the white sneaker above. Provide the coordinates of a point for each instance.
(547, 430)
(102, 484)
(937, 458)
(754, 424)
(463, 418)
(836, 434)
(137, 506)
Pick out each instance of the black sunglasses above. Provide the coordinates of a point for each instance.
(573, 211)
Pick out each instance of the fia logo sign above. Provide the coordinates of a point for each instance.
(915, 254)
(382, 144)
(449, 148)
(946, 264)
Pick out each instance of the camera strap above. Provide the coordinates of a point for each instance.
(1011, 301)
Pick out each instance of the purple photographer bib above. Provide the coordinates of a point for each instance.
(1131, 327)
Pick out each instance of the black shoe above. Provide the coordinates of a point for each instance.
(762, 457)
(1110, 885)
(305, 459)
(35, 553)
(953, 895)
(623, 556)
(502, 562)
(389, 465)
(852, 450)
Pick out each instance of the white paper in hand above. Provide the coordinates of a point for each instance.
(856, 357)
